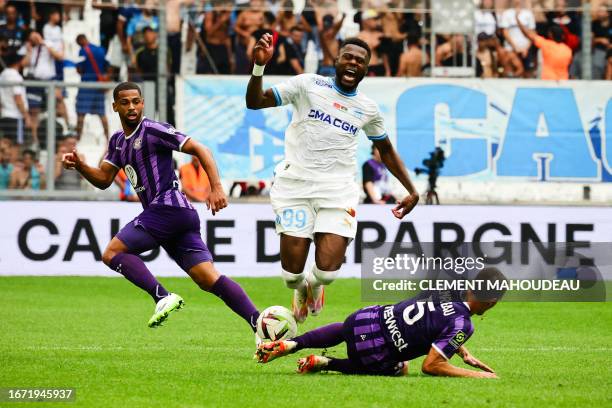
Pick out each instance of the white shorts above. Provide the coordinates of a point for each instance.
(299, 213)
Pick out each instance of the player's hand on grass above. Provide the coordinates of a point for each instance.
(488, 375)
(263, 50)
(405, 206)
(71, 160)
(469, 359)
(216, 200)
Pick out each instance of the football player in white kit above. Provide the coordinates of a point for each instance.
(314, 194)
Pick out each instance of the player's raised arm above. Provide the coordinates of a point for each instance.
(101, 177)
(217, 198)
(256, 98)
(396, 166)
(436, 364)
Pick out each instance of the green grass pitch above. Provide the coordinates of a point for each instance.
(91, 334)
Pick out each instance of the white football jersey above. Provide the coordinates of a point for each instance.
(321, 140)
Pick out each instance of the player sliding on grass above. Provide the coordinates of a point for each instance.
(144, 150)
(381, 339)
(314, 194)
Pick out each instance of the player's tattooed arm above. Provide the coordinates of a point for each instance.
(396, 166)
(435, 364)
(256, 98)
(101, 177)
(217, 199)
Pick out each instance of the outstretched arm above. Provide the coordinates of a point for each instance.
(436, 364)
(256, 98)
(526, 32)
(101, 177)
(396, 166)
(217, 198)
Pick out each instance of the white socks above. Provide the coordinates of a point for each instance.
(320, 278)
(294, 280)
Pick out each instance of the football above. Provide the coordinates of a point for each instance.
(276, 323)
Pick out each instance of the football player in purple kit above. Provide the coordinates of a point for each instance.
(381, 339)
(144, 150)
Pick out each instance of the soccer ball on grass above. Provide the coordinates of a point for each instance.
(276, 323)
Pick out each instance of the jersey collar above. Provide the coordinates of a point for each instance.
(467, 305)
(136, 129)
(340, 91)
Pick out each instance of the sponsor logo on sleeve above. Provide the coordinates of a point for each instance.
(457, 339)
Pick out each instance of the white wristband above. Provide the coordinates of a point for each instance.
(258, 70)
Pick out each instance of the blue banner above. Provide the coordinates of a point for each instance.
(490, 130)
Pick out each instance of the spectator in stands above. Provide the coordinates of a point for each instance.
(135, 29)
(40, 58)
(247, 23)
(556, 55)
(109, 13)
(286, 19)
(375, 181)
(194, 180)
(28, 174)
(41, 12)
(330, 44)
(119, 53)
(66, 179)
(485, 19)
(276, 65)
(393, 38)
(411, 61)
(92, 67)
(52, 33)
(14, 114)
(602, 32)
(486, 57)
(516, 41)
(146, 56)
(451, 52)
(173, 27)
(214, 44)
(372, 34)
(568, 21)
(295, 54)
(6, 169)
(12, 32)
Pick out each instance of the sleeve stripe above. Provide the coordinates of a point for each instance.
(439, 351)
(111, 163)
(279, 101)
(379, 137)
(183, 143)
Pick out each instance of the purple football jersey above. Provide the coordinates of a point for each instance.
(415, 325)
(146, 157)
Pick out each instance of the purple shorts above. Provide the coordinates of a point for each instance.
(175, 229)
(365, 343)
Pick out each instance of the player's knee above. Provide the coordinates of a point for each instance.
(328, 264)
(109, 254)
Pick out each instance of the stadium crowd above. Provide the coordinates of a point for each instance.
(507, 35)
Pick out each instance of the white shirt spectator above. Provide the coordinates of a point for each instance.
(53, 36)
(485, 22)
(42, 64)
(7, 94)
(508, 21)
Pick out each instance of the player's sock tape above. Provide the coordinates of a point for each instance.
(324, 277)
(293, 280)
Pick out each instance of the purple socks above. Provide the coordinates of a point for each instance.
(323, 337)
(236, 299)
(134, 269)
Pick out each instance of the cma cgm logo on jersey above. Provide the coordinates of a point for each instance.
(336, 122)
